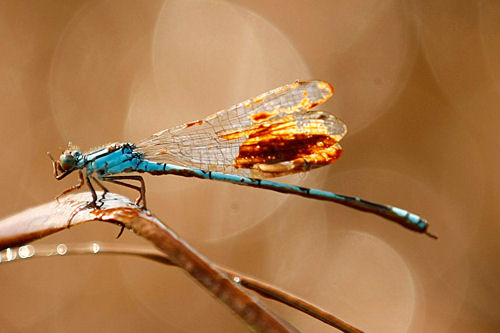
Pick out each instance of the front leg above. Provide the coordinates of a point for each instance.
(74, 187)
(91, 204)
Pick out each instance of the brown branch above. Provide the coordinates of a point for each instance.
(295, 302)
(264, 289)
(46, 219)
(49, 218)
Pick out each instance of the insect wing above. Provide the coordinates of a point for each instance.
(271, 135)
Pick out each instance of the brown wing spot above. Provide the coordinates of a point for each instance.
(262, 116)
(275, 147)
(194, 123)
(162, 152)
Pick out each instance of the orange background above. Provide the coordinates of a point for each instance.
(417, 82)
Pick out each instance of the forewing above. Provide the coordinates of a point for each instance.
(270, 135)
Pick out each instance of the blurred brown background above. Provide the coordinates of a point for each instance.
(418, 84)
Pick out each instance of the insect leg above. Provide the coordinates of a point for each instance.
(106, 191)
(74, 187)
(141, 189)
(94, 195)
(100, 184)
(91, 204)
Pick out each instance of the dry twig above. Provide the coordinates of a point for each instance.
(224, 284)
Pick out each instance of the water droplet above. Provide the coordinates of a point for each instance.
(62, 249)
(26, 251)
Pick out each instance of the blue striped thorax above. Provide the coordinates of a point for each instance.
(112, 159)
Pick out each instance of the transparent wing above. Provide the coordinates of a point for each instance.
(271, 135)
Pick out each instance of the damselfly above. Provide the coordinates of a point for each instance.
(271, 135)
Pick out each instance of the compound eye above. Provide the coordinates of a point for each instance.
(67, 161)
(76, 154)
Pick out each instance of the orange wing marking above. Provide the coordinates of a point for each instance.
(194, 123)
(263, 116)
(283, 147)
